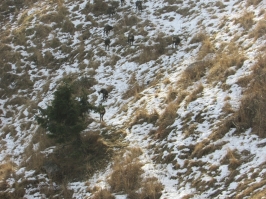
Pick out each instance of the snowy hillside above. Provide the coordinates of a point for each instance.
(185, 122)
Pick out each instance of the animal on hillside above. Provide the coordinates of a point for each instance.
(107, 43)
(107, 29)
(130, 39)
(101, 111)
(122, 2)
(139, 5)
(110, 11)
(176, 40)
(104, 93)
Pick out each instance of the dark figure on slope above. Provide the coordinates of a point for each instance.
(122, 2)
(101, 111)
(107, 43)
(107, 29)
(130, 39)
(104, 93)
(139, 5)
(176, 40)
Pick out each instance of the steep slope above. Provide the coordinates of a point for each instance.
(187, 122)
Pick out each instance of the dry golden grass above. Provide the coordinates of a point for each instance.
(126, 173)
(135, 87)
(103, 194)
(151, 188)
(206, 48)
(259, 194)
(97, 8)
(41, 32)
(18, 100)
(6, 169)
(195, 93)
(142, 116)
(259, 29)
(222, 128)
(112, 61)
(227, 108)
(232, 158)
(167, 118)
(7, 55)
(252, 111)
(224, 60)
(172, 95)
(128, 21)
(166, 9)
(34, 158)
(219, 4)
(192, 73)
(68, 26)
(152, 52)
(202, 148)
(251, 189)
(54, 43)
(184, 11)
(199, 37)
(93, 154)
(189, 130)
(37, 57)
(253, 2)
(126, 177)
(19, 36)
(246, 20)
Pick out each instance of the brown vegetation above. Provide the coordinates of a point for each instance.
(246, 20)
(252, 111)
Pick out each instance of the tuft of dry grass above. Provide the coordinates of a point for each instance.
(220, 4)
(199, 37)
(166, 9)
(193, 73)
(231, 158)
(227, 108)
(231, 57)
(6, 169)
(54, 43)
(222, 128)
(202, 148)
(126, 175)
(128, 21)
(253, 2)
(134, 89)
(142, 116)
(206, 48)
(151, 188)
(98, 7)
(41, 31)
(154, 51)
(195, 93)
(103, 194)
(166, 119)
(258, 193)
(68, 26)
(252, 111)
(259, 29)
(171, 95)
(246, 20)
(112, 61)
(184, 11)
(34, 158)
(250, 189)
